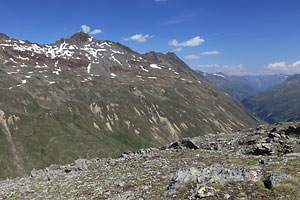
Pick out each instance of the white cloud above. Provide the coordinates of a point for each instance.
(96, 31)
(85, 28)
(178, 49)
(296, 64)
(190, 43)
(193, 56)
(208, 53)
(139, 37)
(283, 67)
(208, 66)
(160, 0)
(277, 66)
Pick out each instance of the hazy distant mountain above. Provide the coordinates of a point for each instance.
(264, 82)
(84, 98)
(236, 86)
(280, 103)
(241, 87)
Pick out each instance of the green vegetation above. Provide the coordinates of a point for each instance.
(104, 117)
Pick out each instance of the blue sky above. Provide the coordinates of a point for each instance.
(231, 36)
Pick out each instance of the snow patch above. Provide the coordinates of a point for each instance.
(155, 66)
(113, 75)
(144, 68)
(220, 75)
(89, 68)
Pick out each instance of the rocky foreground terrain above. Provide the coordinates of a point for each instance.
(260, 163)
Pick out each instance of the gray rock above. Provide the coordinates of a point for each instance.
(216, 173)
(263, 149)
(227, 196)
(174, 145)
(189, 143)
(275, 180)
(184, 176)
(274, 135)
(82, 164)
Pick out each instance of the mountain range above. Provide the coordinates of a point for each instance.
(279, 103)
(81, 98)
(240, 87)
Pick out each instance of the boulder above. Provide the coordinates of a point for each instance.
(189, 143)
(262, 149)
(274, 180)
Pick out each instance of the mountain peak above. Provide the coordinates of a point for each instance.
(2, 35)
(81, 36)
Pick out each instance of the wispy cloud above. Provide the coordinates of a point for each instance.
(190, 43)
(96, 31)
(139, 37)
(87, 29)
(193, 56)
(160, 0)
(208, 53)
(283, 67)
(178, 49)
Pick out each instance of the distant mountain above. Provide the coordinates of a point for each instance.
(264, 82)
(236, 86)
(82, 98)
(240, 87)
(280, 103)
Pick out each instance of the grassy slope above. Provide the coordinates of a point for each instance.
(62, 130)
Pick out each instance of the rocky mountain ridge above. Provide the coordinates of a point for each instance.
(84, 98)
(257, 163)
(83, 53)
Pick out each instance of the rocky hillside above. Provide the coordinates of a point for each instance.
(85, 98)
(280, 103)
(258, 163)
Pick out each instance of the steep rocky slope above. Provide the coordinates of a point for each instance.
(82, 98)
(280, 103)
(257, 163)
